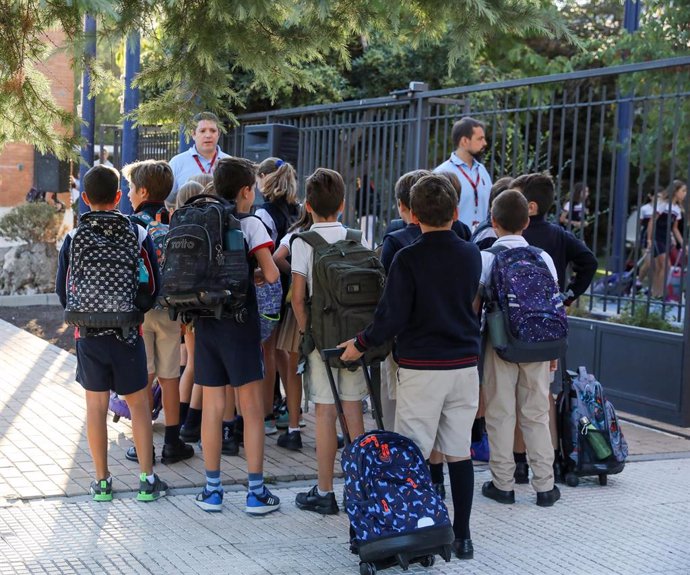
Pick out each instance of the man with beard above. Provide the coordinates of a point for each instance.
(469, 142)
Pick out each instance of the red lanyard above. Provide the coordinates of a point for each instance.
(475, 185)
(213, 161)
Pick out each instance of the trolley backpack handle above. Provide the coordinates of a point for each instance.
(336, 352)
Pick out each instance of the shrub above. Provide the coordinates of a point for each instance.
(31, 223)
(642, 318)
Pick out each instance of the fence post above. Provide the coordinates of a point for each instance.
(130, 133)
(88, 107)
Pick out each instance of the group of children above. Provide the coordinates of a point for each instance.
(431, 308)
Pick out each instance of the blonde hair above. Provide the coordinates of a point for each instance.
(282, 183)
(203, 179)
(187, 191)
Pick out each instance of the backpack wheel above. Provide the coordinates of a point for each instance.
(428, 561)
(367, 568)
(603, 479)
(571, 480)
(402, 561)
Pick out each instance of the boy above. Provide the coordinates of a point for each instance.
(565, 250)
(430, 312)
(505, 383)
(150, 183)
(229, 353)
(110, 360)
(325, 201)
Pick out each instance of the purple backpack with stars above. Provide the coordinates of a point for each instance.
(525, 313)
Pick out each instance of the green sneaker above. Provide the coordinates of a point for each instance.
(151, 491)
(102, 490)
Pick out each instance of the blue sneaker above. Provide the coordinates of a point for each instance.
(261, 504)
(210, 501)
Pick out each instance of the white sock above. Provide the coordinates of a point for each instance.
(323, 493)
(291, 429)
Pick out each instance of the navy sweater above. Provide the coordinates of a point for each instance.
(427, 304)
(564, 248)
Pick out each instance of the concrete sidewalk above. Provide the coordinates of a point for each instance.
(640, 523)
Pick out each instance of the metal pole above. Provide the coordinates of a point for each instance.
(130, 133)
(183, 143)
(631, 22)
(88, 107)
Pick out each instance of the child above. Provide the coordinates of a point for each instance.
(566, 251)
(227, 352)
(509, 385)
(150, 182)
(288, 340)
(429, 312)
(109, 360)
(576, 217)
(325, 200)
(484, 234)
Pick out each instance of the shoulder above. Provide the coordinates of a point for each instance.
(447, 166)
(179, 158)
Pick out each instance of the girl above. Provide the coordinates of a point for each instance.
(578, 215)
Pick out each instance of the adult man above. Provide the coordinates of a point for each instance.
(203, 156)
(469, 142)
(103, 158)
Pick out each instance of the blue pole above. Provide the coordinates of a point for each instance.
(130, 133)
(88, 107)
(183, 144)
(631, 22)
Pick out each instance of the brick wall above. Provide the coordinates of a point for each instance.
(17, 159)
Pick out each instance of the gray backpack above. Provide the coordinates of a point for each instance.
(348, 280)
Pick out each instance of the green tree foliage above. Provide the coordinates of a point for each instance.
(202, 47)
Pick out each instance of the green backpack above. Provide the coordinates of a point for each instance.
(348, 280)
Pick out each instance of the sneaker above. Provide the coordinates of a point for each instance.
(261, 504)
(230, 446)
(440, 490)
(312, 501)
(270, 425)
(283, 420)
(101, 490)
(365, 406)
(190, 434)
(174, 452)
(290, 440)
(131, 454)
(151, 491)
(211, 501)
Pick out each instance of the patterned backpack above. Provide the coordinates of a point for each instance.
(388, 490)
(525, 314)
(157, 227)
(107, 282)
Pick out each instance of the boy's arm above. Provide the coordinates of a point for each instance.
(280, 258)
(63, 267)
(299, 306)
(388, 250)
(267, 265)
(584, 264)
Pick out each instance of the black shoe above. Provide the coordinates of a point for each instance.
(341, 441)
(521, 474)
(492, 492)
(463, 548)
(290, 440)
(238, 431)
(174, 452)
(312, 501)
(440, 490)
(131, 454)
(557, 472)
(230, 446)
(190, 434)
(548, 498)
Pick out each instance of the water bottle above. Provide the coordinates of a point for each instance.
(595, 438)
(143, 272)
(234, 240)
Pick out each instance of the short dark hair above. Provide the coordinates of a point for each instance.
(231, 175)
(208, 116)
(101, 184)
(464, 128)
(510, 211)
(433, 200)
(537, 188)
(500, 186)
(325, 192)
(154, 175)
(405, 183)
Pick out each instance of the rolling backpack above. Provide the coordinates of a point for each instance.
(206, 270)
(525, 316)
(107, 282)
(348, 281)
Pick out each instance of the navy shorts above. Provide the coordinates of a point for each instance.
(105, 363)
(227, 352)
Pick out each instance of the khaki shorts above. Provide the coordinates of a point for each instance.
(436, 409)
(351, 385)
(162, 340)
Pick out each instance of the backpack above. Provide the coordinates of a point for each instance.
(526, 317)
(119, 407)
(206, 270)
(157, 227)
(388, 489)
(107, 281)
(284, 216)
(348, 280)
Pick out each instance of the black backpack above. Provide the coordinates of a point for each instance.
(107, 281)
(206, 270)
(283, 214)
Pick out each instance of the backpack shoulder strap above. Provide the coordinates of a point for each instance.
(354, 235)
(313, 238)
(497, 249)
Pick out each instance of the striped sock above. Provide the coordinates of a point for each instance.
(213, 481)
(256, 483)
